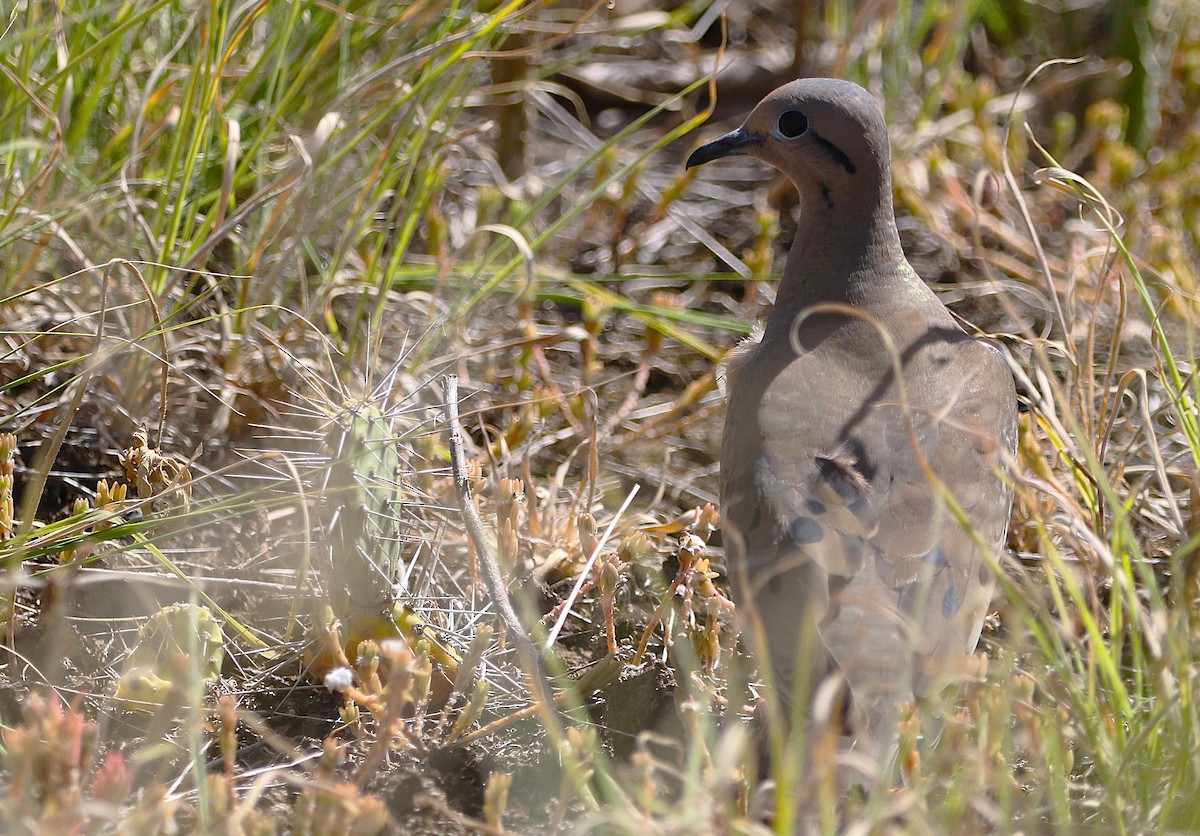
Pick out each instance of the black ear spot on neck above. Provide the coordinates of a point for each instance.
(838, 154)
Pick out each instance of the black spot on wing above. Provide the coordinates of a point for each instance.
(950, 603)
(858, 507)
(836, 584)
(806, 530)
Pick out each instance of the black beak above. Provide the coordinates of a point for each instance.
(734, 142)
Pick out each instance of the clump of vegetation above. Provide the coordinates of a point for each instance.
(243, 246)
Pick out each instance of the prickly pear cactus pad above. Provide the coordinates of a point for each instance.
(178, 646)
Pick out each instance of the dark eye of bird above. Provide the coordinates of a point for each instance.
(792, 123)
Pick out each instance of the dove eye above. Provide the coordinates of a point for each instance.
(792, 124)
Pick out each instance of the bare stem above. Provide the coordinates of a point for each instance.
(531, 659)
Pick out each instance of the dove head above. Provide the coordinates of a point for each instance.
(827, 135)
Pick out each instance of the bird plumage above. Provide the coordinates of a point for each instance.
(861, 409)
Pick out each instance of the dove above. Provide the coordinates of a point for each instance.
(862, 426)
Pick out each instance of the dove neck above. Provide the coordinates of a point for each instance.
(846, 253)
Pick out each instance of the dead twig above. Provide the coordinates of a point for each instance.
(531, 659)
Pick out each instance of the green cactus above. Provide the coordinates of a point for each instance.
(362, 499)
(174, 644)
